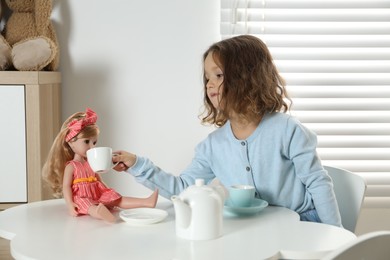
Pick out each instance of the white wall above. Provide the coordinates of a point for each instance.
(373, 219)
(138, 65)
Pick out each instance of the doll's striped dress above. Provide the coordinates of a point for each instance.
(87, 190)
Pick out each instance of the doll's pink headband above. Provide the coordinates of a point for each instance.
(76, 126)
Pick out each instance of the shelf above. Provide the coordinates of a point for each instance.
(43, 122)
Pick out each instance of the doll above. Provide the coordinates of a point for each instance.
(70, 176)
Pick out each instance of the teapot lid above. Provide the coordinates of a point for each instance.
(197, 189)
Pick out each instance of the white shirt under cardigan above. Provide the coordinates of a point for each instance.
(279, 159)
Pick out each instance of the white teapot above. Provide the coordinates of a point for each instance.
(199, 211)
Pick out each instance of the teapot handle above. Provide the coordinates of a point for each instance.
(220, 188)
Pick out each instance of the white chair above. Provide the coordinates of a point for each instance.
(349, 189)
(370, 246)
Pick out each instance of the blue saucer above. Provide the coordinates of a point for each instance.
(257, 206)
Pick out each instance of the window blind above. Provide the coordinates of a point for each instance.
(335, 57)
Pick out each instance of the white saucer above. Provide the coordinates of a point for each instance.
(257, 206)
(143, 216)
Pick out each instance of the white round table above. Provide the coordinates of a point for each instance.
(44, 230)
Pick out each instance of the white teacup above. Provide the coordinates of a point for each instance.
(100, 159)
(241, 195)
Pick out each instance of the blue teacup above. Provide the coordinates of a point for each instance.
(241, 195)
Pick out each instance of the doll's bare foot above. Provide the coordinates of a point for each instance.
(130, 202)
(101, 212)
(152, 199)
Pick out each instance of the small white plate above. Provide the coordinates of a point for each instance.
(257, 206)
(143, 216)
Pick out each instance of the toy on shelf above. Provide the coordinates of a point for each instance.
(5, 49)
(29, 41)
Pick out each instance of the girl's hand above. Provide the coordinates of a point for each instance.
(125, 159)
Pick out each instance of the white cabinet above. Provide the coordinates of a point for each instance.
(30, 120)
(13, 164)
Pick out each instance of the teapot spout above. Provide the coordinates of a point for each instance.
(182, 212)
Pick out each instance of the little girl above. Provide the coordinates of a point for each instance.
(69, 174)
(256, 142)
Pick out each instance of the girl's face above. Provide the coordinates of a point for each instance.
(214, 77)
(82, 145)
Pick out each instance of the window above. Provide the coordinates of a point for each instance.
(335, 57)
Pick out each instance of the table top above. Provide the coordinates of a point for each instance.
(44, 230)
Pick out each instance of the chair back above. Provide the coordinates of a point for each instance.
(349, 189)
(373, 246)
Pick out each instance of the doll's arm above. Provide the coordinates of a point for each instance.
(67, 190)
(100, 179)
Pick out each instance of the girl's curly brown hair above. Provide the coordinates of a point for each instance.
(252, 85)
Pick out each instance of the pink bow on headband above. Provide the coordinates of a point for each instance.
(76, 126)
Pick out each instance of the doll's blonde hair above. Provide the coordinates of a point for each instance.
(60, 153)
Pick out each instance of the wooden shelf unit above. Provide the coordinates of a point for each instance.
(42, 96)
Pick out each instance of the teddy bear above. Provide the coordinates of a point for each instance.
(5, 53)
(30, 36)
(5, 48)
